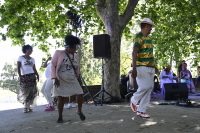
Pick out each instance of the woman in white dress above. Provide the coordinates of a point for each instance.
(166, 76)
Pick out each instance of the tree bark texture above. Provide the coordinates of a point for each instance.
(114, 25)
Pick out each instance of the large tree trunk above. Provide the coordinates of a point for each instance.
(112, 68)
(114, 25)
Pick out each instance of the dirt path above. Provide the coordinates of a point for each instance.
(109, 118)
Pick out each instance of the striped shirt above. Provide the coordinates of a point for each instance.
(145, 54)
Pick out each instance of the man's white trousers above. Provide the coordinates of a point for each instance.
(145, 77)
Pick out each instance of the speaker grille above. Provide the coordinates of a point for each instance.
(101, 46)
(173, 91)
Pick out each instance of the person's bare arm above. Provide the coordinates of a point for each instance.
(35, 71)
(19, 71)
(134, 59)
(182, 76)
(127, 75)
(53, 68)
(45, 64)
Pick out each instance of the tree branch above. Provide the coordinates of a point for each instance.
(129, 12)
(87, 5)
(113, 5)
(101, 2)
(101, 5)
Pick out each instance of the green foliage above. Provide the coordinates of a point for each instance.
(9, 77)
(126, 56)
(176, 35)
(90, 67)
(41, 19)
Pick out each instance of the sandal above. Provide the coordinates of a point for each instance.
(81, 115)
(25, 110)
(60, 120)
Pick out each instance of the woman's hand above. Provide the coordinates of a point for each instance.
(56, 83)
(49, 58)
(38, 78)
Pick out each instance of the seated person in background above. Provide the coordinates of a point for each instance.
(132, 84)
(166, 76)
(175, 78)
(156, 87)
(129, 72)
(186, 77)
(127, 77)
(180, 69)
(155, 78)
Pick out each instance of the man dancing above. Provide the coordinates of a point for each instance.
(143, 68)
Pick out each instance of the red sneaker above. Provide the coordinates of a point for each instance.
(143, 115)
(133, 106)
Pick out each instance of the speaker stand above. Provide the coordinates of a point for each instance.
(102, 87)
(88, 92)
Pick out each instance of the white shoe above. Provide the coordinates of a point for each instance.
(66, 106)
(71, 105)
(138, 114)
(143, 115)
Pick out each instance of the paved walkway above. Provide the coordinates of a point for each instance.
(109, 118)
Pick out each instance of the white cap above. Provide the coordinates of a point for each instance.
(148, 21)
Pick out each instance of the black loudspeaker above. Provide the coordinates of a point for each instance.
(101, 46)
(173, 91)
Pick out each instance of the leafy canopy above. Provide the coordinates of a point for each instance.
(176, 35)
(9, 77)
